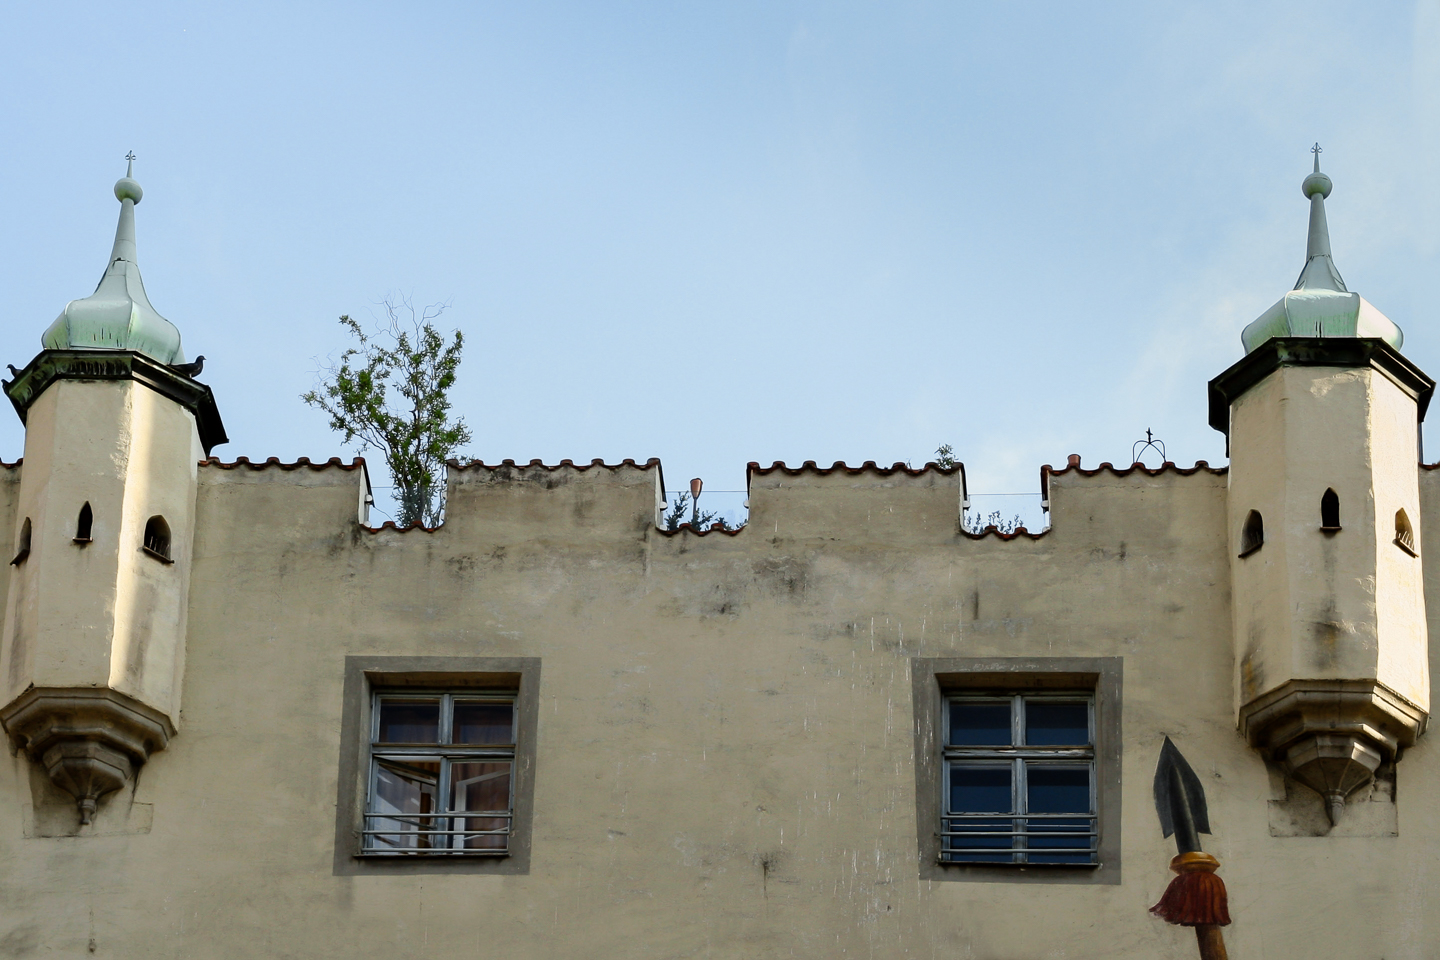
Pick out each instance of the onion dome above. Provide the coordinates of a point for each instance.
(1320, 305)
(118, 315)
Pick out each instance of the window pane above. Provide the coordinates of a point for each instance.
(977, 789)
(484, 722)
(481, 787)
(403, 795)
(1048, 723)
(979, 724)
(409, 721)
(1056, 789)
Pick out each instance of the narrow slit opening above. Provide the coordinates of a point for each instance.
(1404, 534)
(157, 539)
(83, 524)
(22, 546)
(1330, 510)
(1252, 535)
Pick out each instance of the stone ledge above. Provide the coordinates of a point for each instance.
(90, 740)
(1332, 735)
(52, 365)
(1280, 352)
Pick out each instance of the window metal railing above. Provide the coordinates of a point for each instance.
(425, 837)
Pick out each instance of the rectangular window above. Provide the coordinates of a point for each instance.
(1019, 779)
(441, 778)
(1017, 769)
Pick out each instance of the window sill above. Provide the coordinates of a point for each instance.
(157, 555)
(20, 558)
(1245, 553)
(1329, 529)
(1022, 866)
(434, 855)
(1406, 547)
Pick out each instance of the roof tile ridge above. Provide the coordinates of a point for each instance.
(716, 527)
(1106, 466)
(475, 464)
(1013, 535)
(396, 528)
(333, 463)
(869, 466)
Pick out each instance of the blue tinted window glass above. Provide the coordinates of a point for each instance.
(977, 840)
(1060, 840)
(976, 789)
(484, 723)
(1051, 724)
(1058, 789)
(409, 721)
(979, 724)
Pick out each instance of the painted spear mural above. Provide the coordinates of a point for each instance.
(1196, 897)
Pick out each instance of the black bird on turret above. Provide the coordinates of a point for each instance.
(13, 371)
(191, 370)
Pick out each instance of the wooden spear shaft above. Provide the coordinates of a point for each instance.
(1212, 945)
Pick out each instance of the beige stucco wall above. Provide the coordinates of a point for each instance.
(725, 752)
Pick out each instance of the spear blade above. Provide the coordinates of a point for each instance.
(1180, 799)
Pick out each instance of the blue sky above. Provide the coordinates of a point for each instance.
(724, 232)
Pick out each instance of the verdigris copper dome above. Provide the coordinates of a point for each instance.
(118, 315)
(1320, 305)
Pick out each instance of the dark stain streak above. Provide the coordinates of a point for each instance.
(1326, 631)
(785, 575)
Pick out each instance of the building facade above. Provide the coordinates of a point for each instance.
(243, 722)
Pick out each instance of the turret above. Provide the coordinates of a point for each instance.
(93, 646)
(1321, 416)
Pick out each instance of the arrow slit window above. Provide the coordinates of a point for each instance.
(441, 774)
(1019, 779)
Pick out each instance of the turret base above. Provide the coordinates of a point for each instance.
(1332, 735)
(89, 740)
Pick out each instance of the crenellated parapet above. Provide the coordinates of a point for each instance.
(509, 501)
(1108, 496)
(862, 503)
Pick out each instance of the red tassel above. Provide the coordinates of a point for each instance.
(1197, 896)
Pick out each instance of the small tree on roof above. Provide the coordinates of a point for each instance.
(391, 392)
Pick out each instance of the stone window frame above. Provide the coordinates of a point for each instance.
(364, 676)
(934, 678)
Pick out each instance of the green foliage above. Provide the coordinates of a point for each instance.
(698, 520)
(973, 524)
(391, 392)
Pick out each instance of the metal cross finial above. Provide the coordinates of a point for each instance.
(1147, 444)
(129, 163)
(1317, 151)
